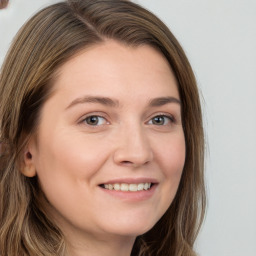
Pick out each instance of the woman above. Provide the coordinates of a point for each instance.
(101, 136)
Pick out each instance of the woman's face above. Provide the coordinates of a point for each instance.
(111, 129)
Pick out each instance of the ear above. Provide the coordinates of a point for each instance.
(28, 168)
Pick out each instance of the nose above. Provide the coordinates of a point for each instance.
(133, 148)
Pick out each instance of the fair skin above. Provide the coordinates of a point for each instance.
(114, 118)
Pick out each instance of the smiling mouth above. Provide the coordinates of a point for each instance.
(127, 187)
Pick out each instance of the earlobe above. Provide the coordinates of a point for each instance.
(28, 168)
(28, 171)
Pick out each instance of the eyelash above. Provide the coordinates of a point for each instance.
(86, 119)
(167, 118)
(170, 118)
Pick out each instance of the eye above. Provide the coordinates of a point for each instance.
(95, 120)
(161, 120)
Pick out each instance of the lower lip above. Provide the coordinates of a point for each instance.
(131, 196)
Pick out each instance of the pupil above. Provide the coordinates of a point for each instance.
(92, 120)
(158, 120)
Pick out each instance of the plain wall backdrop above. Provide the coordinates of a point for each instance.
(219, 37)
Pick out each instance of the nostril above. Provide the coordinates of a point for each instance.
(126, 163)
(133, 164)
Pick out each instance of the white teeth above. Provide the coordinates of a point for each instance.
(133, 187)
(146, 186)
(140, 186)
(128, 187)
(116, 186)
(124, 187)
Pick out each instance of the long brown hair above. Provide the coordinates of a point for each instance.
(44, 43)
(3, 4)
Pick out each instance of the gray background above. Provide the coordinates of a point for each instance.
(219, 37)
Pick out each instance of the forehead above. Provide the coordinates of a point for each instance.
(112, 67)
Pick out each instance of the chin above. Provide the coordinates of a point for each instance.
(130, 229)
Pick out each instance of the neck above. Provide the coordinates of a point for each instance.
(107, 246)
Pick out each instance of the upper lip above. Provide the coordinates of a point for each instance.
(131, 180)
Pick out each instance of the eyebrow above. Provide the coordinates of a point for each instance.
(156, 102)
(94, 99)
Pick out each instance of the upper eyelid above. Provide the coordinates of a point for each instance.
(97, 126)
(104, 115)
(171, 119)
(98, 114)
(171, 116)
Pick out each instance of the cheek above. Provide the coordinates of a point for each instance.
(66, 170)
(172, 155)
(69, 158)
(171, 159)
